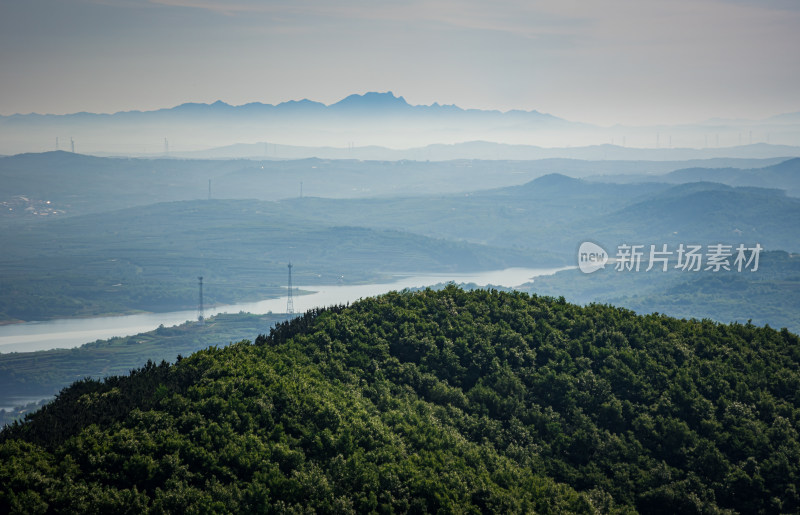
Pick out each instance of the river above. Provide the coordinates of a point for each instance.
(74, 332)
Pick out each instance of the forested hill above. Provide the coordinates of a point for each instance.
(433, 400)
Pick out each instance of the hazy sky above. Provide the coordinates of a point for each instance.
(600, 61)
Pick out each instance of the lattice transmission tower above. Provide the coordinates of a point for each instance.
(200, 315)
(289, 300)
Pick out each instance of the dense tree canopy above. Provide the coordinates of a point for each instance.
(432, 400)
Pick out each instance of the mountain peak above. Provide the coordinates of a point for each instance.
(372, 100)
(198, 107)
(555, 179)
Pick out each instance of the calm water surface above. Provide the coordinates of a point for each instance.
(74, 332)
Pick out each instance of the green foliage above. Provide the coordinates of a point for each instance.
(148, 258)
(551, 215)
(771, 295)
(431, 401)
(41, 374)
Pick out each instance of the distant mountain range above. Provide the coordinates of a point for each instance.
(377, 125)
(56, 184)
(489, 150)
(369, 105)
(784, 175)
(556, 213)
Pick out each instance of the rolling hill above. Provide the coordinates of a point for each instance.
(148, 258)
(784, 175)
(556, 213)
(432, 401)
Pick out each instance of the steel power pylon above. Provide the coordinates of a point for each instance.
(289, 300)
(200, 315)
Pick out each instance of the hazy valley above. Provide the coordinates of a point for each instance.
(494, 385)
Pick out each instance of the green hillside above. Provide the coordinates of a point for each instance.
(148, 258)
(42, 374)
(432, 401)
(769, 296)
(556, 213)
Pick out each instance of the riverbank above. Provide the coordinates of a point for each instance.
(27, 377)
(70, 333)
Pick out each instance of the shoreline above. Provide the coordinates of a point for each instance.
(295, 292)
(74, 332)
(381, 278)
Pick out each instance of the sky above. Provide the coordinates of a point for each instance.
(639, 62)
